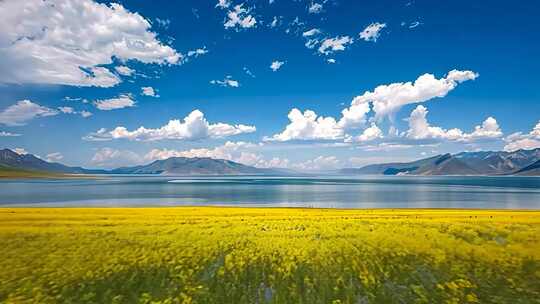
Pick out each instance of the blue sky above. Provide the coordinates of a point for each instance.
(74, 73)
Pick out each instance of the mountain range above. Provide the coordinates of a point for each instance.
(521, 162)
(172, 166)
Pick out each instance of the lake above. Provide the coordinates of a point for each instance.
(325, 191)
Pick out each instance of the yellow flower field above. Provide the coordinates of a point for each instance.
(268, 255)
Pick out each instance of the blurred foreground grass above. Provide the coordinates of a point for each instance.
(268, 255)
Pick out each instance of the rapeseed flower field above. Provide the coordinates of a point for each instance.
(268, 255)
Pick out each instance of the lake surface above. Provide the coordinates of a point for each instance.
(331, 192)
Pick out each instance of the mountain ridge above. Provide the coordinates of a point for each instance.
(520, 162)
(173, 165)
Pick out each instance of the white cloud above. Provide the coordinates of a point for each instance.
(113, 158)
(385, 100)
(354, 116)
(66, 110)
(124, 70)
(149, 91)
(331, 60)
(120, 102)
(23, 111)
(315, 8)
(229, 151)
(226, 82)
(331, 45)
(223, 4)
(369, 134)
(517, 141)
(70, 110)
(239, 17)
(20, 151)
(276, 65)
(54, 157)
(193, 127)
(419, 128)
(318, 163)
(8, 134)
(197, 52)
(311, 32)
(372, 31)
(68, 41)
(240, 152)
(308, 126)
(388, 99)
(85, 114)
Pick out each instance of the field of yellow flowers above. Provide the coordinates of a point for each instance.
(268, 255)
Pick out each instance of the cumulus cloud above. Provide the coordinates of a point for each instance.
(384, 100)
(149, 91)
(419, 128)
(388, 99)
(68, 42)
(518, 140)
(315, 8)
(308, 126)
(239, 18)
(318, 163)
(124, 70)
(330, 45)
(369, 134)
(226, 82)
(276, 65)
(113, 158)
(372, 31)
(23, 111)
(54, 157)
(8, 134)
(120, 102)
(192, 127)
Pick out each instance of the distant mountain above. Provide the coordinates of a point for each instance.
(193, 166)
(29, 162)
(174, 165)
(521, 162)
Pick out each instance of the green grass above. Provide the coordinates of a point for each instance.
(268, 255)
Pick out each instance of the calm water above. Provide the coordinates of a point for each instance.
(334, 192)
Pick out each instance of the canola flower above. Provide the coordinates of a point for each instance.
(268, 255)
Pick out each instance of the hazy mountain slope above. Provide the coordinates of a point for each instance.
(30, 162)
(465, 163)
(173, 165)
(390, 168)
(192, 166)
(531, 170)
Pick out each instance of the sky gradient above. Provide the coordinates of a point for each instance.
(306, 85)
